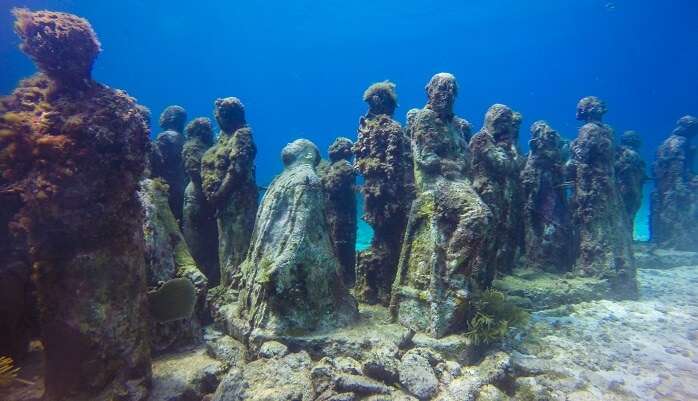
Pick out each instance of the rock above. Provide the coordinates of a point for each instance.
(649, 257)
(528, 388)
(493, 368)
(417, 376)
(185, 376)
(273, 349)
(226, 349)
(359, 384)
(447, 371)
(489, 392)
(290, 279)
(381, 364)
(455, 346)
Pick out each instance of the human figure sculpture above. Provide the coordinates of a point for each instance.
(170, 167)
(446, 252)
(228, 182)
(605, 242)
(199, 216)
(339, 181)
(630, 174)
(674, 205)
(291, 277)
(74, 151)
(547, 226)
(383, 159)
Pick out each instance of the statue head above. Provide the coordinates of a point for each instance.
(300, 151)
(63, 46)
(381, 98)
(499, 122)
(543, 138)
(687, 126)
(591, 109)
(341, 149)
(229, 113)
(630, 139)
(201, 129)
(173, 118)
(442, 90)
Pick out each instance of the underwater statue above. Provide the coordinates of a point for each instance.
(228, 181)
(447, 248)
(630, 174)
(674, 202)
(548, 229)
(605, 241)
(495, 173)
(339, 181)
(169, 165)
(199, 216)
(383, 159)
(291, 279)
(73, 152)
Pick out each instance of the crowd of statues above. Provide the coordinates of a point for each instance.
(450, 210)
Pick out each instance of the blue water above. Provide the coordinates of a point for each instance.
(300, 67)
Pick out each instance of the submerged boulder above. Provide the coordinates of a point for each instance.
(447, 246)
(74, 151)
(291, 280)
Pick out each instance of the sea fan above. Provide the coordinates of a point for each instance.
(8, 372)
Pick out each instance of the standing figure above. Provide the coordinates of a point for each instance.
(228, 182)
(382, 159)
(605, 243)
(169, 147)
(674, 208)
(495, 174)
(199, 217)
(339, 181)
(446, 253)
(547, 226)
(291, 277)
(630, 174)
(74, 151)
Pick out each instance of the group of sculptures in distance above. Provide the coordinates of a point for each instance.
(450, 211)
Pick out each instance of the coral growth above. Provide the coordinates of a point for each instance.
(493, 316)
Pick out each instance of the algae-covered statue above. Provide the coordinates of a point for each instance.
(199, 216)
(291, 280)
(339, 181)
(169, 165)
(630, 174)
(605, 241)
(73, 152)
(495, 174)
(548, 230)
(447, 246)
(674, 206)
(228, 182)
(382, 158)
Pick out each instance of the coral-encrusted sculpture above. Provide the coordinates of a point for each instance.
(170, 167)
(630, 174)
(199, 217)
(605, 241)
(228, 181)
(495, 174)
(291, 276)
(382, 158)
(339, 180)
(548, 230)
(74, 151)
(674, 207)
(447, 246)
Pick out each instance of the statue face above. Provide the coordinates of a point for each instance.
(499, 122)
(230, 114)
(300, 151)
(442, 90)
(590, 109)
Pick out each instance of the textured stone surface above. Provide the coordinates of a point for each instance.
(649, 257)
(185, 376)
(630, 173)
(447, 246)
(169, 165)
(417, 376)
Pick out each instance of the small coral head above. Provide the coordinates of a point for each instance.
(687, 126)
(200, 128)
(442, 90)
(173, 118)
(341, 149)
(300, 151)
(229, 113)
(591, 109)
(381, 98)
(499, 121)
(63, 46)
(631, 139)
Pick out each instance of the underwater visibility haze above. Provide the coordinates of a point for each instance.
(325, 200)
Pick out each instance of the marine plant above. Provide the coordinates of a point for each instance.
(8, 372)
(493, 316)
